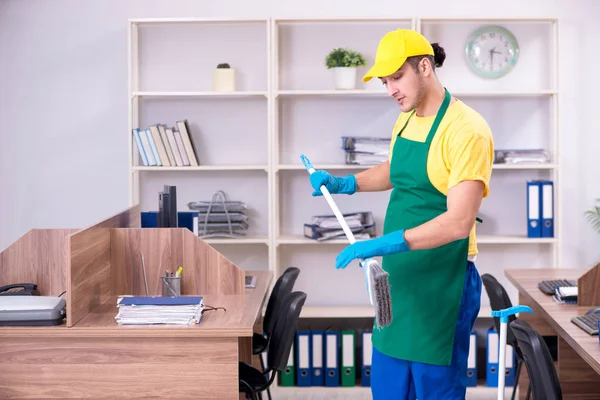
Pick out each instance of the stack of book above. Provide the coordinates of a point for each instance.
(162, 146)
(327, 227)
(220, 217)
(366, 150)
(152, 310)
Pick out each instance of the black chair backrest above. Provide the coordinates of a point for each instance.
(284, 332)
(282, 288)
(538, 361)
(499, 300)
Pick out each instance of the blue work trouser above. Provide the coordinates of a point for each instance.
(395, 379)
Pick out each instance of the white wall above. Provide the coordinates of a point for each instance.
(63, 100)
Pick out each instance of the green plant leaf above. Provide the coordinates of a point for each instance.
(593, 216)
(341, 57)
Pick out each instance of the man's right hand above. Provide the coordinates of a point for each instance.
(335, 185)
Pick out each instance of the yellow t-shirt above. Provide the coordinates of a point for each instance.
(462, 149)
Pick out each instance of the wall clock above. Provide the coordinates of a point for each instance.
(492, 51)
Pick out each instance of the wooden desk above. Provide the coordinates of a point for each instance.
(98, 358)
(578, 363)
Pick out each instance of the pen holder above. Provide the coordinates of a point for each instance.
(171, 286)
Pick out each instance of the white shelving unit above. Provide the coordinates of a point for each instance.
(249, 141)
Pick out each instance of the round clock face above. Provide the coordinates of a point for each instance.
(492, 51)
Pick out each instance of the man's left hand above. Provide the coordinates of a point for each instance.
(387, 244)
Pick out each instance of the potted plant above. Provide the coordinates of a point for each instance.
(224, 78)
(344, 63)
(593, 216)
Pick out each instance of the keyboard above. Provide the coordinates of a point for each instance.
(588, 323)
(250, 281)
(549, 287)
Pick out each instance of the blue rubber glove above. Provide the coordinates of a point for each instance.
(335, 185)
(382, 246)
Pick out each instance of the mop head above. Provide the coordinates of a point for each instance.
(378, 287)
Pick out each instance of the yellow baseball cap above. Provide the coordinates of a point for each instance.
(394, 48)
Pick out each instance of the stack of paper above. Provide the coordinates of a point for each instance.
(522, 156)
(150, 310)
(565, 295)
(327, 227)
(365, 150)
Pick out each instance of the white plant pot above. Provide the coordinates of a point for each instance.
(224, 80)
(345, 77)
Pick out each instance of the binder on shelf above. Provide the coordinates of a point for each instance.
(472, 361)
(303, 356)
(509, 379)
(367, 355)
(534, 200)
(185, 219)
(318, 375)
(331, 362)
(288, 373)
(348, 369)
(547, 225)
(492, 350)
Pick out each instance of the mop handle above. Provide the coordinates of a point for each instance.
(504, 314)
(327, 195)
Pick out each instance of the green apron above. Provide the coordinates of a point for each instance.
(426, 285)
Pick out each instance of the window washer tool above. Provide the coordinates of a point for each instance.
(503, 315)
(378, 286)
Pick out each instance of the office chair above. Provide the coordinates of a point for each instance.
(283, 287)
(252, 381)
(500, 300)
(542, 375)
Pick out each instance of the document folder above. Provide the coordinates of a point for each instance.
(509, 379)
(472, 361)
(348, 357)
(288, 373)
(367, 355)
(332, 367)
(318, 376)
(492, 358)
(303, 356)
(547, 208)
(534, 200)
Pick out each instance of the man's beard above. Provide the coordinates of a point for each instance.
(420, 96)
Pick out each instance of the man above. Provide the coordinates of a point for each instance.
(439, 168)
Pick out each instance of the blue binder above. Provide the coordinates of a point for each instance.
(316, 364)
(331, 358)
(509, 379)
(303, 357)
(547, 191)
(367, 355)
(534, 206)
(185, 219)
(492, 358)
(472, 361)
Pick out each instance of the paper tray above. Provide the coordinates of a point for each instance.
(31, 310)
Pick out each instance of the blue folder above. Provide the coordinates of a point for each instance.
(160, 300)
(331, 358)
(303, 358)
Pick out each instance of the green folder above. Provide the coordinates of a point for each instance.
(289, 372)
(347, 362)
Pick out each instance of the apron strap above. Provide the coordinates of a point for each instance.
(439, 116)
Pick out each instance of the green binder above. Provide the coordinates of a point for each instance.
(288, 374)
(347, 362)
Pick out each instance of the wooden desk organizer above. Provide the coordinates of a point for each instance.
(588, 287)
(99, 263)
